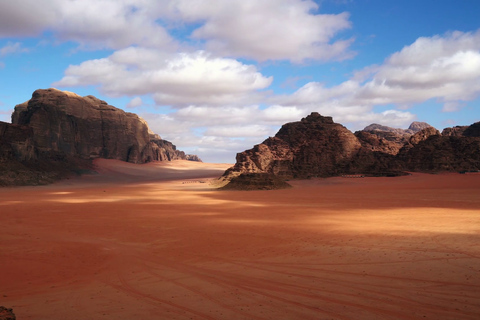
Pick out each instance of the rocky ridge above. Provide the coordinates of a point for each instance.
(318, 147)
(57, 132)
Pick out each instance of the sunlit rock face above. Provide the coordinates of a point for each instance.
(314, 146)
(318, 147)
(88, 128)
(57, 132)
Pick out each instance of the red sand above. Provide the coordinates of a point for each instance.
(157, 243)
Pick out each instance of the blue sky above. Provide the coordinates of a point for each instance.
(216, 77)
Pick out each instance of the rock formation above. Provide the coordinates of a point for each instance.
(7, 314)
(473, 130)
(193, 157)
(66, 130)
(318, 147)
(314, 146)
(256, 181)
(387, 139)
(455, 131)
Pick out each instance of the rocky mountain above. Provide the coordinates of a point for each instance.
(314, 146)
(387, 139)
(58, 131)
(318, 147)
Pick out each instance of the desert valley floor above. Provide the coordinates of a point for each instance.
(155, 241)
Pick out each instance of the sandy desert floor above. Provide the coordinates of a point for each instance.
(156, 241)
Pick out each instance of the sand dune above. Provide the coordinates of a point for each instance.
(155, 241)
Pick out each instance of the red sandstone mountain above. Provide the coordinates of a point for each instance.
(56, 132)
(387, 139)
(318, 147)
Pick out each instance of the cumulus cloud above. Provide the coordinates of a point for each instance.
(261, 30)
(267, 30)
(206, 137)
(445, 68)
(135, 103)
(91, 23)
(177, 80)
(26, 17)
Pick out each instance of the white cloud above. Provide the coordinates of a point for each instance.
(444, 68)
(268, 29)
(261, 30)
(177, 80)
(91, 23)
(135, 103)
(253, 130)
(26, 17)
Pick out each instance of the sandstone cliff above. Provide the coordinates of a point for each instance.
(314, 146)
(88, 128)
(318, 147)
(63, 130)
(387, 139)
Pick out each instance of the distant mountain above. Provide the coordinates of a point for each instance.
(318, 147)
(387, 139)
(57, 132)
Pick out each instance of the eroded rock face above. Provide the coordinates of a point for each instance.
(473, 130)
(87, 128)
(256, 181)
(193, 157)
(61, 129)
(318, 147)
(454, 131)
(387, 139)
(314, 146)
(442, 153)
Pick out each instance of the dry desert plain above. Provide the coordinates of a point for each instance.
(156, 241)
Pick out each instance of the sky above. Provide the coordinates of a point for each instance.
(216, 77)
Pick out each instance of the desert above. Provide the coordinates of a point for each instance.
(239, 159)
(159, 241)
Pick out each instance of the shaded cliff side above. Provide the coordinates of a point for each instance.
(58, 132)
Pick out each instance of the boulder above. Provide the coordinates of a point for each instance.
(193, 157)
(256, 181)
(7, 314)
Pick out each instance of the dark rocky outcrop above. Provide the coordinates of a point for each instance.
(463, 131)
(7, 314)
(314, 146)
(256, 181)
(57, 132)
(318, 147)
(455, 131)
(473, 130)
(193, 157)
